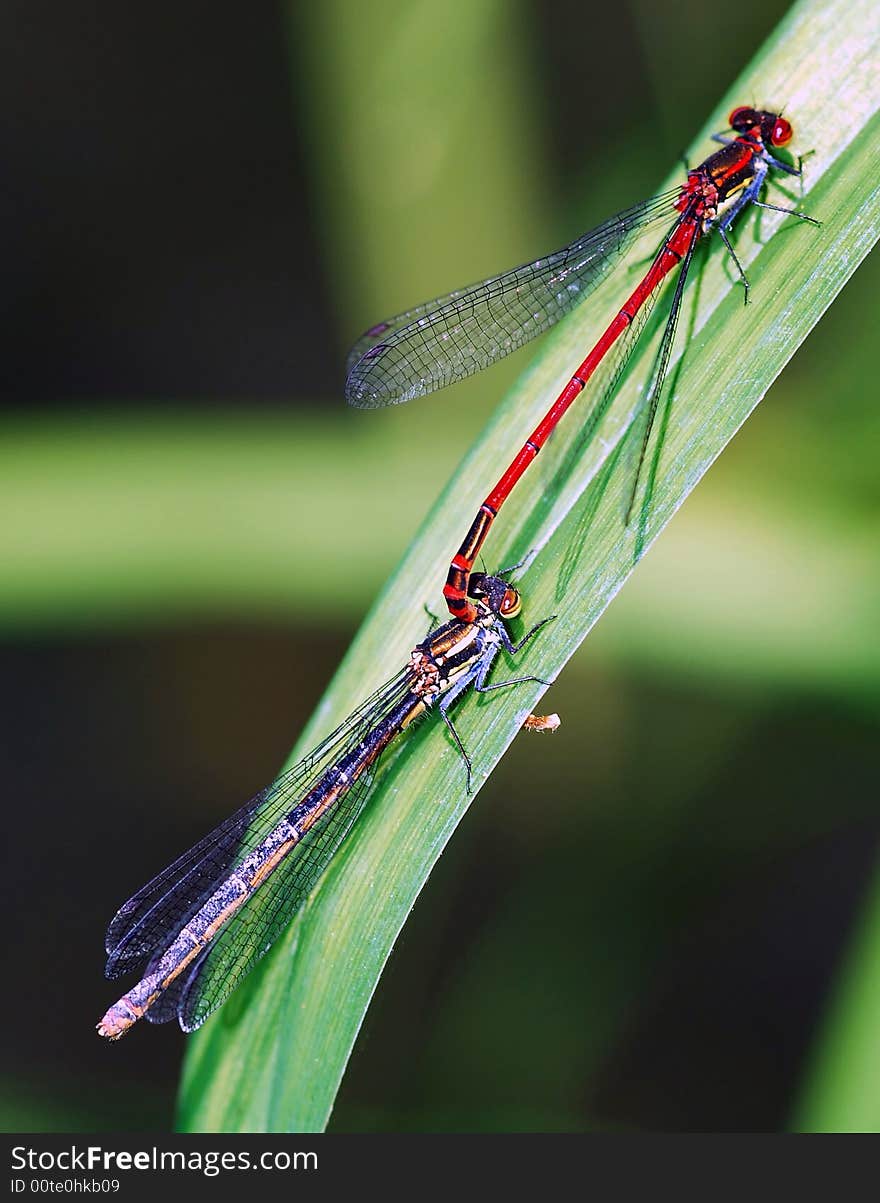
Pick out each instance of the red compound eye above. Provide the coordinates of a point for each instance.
(782, 132)
(512, 603)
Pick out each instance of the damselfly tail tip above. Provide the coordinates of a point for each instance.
(116, 1022)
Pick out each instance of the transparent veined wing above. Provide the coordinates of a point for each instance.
(150, 920)
(444, 340)
(252, 931)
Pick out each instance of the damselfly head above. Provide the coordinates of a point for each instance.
(773, 128)
(497, 595)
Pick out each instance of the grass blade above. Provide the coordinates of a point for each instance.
(273, 1058)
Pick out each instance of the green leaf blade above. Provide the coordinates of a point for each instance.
(274, 1057)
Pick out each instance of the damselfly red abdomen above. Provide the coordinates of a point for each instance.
(442, 341)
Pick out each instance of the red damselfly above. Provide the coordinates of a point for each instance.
(442, 341)
(192, 930)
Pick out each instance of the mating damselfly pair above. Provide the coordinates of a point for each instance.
(193, 931)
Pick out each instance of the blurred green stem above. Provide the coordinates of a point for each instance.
(841, 1091)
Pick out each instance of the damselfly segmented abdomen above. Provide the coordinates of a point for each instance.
(442, 341)
(203, 923)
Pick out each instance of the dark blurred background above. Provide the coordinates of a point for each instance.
(648, 923)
